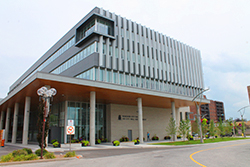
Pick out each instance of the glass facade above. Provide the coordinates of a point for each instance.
(97, 24)
(136, 81)
(75, 59)
(79, 112)
(60, 51)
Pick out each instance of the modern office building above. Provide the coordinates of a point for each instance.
(113, 76)
(212, 111)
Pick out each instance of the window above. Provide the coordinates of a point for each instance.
(127, 77)
(132, 80)
(152, 53)
(127, 44)
(122, 42)
(143, 50)
(142, 82)
(148, 51)
(101, 75)
(147, 83)
(121, 78)
(133, 46)
(156, 54)
(152, 84)
(75, 59)
(160, 56)
(115, 77)
(108, 76)
(138, 48)
(87, 74)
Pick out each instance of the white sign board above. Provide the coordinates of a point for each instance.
(70, 122)
(70, 130)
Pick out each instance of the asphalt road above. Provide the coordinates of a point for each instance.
(223, 154)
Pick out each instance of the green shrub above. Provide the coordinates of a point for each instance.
(85, 142)
(155, 137)
(98, 141)
(7, 158)
(30, 157)
(19, 158)
(25, 157)
(136, 141)
(167, 137)
(104, 139)
(70, 154)
(56, 143)
(53, 141)
(49, 156)
(38, 152)
(124, 138)
(29, 151)
(16, 153)
(116, 143)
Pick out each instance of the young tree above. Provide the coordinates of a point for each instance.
(204, 126)
(212, 128)
(221, 128)
(235, 128)
(172, 128)
(229, 126)
(194, 126)
(183, 129)
(188, 127)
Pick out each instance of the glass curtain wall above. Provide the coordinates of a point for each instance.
(79, 112)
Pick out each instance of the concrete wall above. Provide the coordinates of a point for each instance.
(155, 121)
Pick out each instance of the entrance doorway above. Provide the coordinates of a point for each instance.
(130, 135)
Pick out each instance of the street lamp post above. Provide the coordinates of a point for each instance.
(198, 111)
(45, 94)
(242, 115)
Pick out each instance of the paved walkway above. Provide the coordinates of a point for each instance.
(34, 147)
(108, 145)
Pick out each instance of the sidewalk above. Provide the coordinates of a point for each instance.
(108, 145)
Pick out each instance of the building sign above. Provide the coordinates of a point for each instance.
(129, 117)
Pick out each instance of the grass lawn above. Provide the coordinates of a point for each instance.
(198, 141)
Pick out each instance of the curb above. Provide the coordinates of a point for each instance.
(35, 161)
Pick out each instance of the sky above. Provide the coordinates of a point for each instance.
(220, 29)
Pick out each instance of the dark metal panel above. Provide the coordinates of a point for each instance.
(85, 64)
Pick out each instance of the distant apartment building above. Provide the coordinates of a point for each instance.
(248, 90)
(212, 111)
